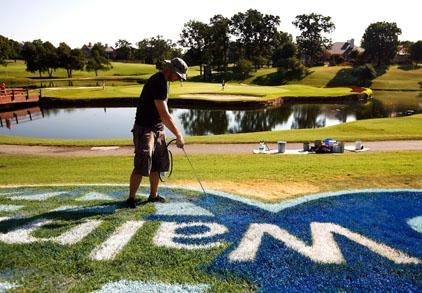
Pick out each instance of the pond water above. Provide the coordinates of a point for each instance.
(83, 123)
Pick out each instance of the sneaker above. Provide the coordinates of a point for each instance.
(130, 203)
(156, 199)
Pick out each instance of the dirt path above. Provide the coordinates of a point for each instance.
(374, 146)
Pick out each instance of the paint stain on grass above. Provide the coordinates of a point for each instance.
(266, 190)
(275, 191)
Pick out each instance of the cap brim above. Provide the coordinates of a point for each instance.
(182, 75)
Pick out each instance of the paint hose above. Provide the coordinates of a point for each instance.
(171, 166)
(193, 171)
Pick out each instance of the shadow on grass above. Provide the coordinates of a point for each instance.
(281, 77)
(408, 67)
(110, 208)
(274, 78)
(357, 76)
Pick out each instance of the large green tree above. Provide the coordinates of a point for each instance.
(311, 41)
(381, 41)
(194, 36)
(70, 59)
(156, 49)
(98, 59)
(40, 56)
(9, 49)
(4, 49)
(15, 49)
(415, 51)
(49, 58)
(124, 50)
(218, 41)
(33, 53)
(256, 34)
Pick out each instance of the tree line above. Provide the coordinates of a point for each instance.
(249, 40)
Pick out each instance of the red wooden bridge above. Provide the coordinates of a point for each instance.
(14, 96)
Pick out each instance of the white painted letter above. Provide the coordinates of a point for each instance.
(113, 245)
(324, 249)
(23, 235)
(76, 234)
(167, 233)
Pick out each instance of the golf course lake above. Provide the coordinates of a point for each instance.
(116, 122)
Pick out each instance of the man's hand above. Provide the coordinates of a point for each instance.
(168, 121)
(180, 142)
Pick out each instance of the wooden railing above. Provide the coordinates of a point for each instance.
(17, 95)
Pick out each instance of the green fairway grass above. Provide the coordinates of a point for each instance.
(399, 79)
(400, 128)
(177, 90)
(18, 69)
(322, 172)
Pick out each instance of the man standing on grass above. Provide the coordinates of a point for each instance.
(152, 114)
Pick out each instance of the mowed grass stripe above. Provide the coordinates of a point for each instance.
(321, 172)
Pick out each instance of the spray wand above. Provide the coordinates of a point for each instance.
(190, 163)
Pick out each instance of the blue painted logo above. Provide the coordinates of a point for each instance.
(367, 240)
(363, 240)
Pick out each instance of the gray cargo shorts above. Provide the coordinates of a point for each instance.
(151, 154)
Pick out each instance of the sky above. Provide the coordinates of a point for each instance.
(78, 22)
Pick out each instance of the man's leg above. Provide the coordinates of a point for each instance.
(154, 179)
(135, 181)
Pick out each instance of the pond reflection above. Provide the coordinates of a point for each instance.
(116, 122)
(200, 122)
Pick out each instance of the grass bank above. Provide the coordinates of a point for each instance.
(269, 178)
(400, 128)
(395, 78)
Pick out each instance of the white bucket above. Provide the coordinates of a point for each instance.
(281, 145)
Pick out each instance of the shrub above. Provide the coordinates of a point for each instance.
(243, 68)
(365, 72)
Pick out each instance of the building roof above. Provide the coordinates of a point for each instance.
(107, 48)
(340, 48)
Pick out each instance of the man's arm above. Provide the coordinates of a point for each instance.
(168, 121)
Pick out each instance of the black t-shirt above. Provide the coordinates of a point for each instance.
(154, 89)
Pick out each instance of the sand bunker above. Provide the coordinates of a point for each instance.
(223, 97)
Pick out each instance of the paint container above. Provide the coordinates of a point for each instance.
(306, 147)
(338, 148)
(281, 146)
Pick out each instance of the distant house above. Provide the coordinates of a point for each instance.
(86, 49)
(343, 49)
(110, 51)
(403, 55)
